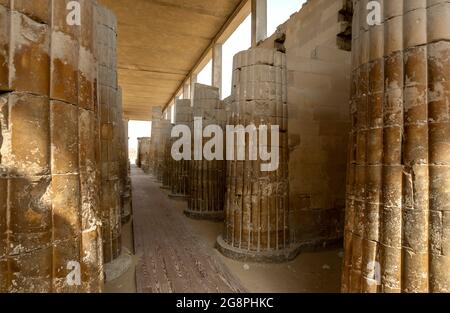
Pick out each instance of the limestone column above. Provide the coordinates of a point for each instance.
(217, 67)
(181, 169)
(187, 90)
(160, 127)
(50, 240)
(256, 225)
(207, 185)
(398, 190)
(144, 151)
(167, 159)
(259, 21)
(125, 170)
(106, 51)
(120, 141)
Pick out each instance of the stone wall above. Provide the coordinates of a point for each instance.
(318, 88)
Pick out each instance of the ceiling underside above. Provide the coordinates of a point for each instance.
(159, 42)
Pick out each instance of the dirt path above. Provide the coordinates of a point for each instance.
(171, 258)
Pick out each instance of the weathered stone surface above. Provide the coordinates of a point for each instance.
(38, 10)
(25, 118)
(412, 157)
(50, 213)
(4, 47)
(111, 129)
(318, 121)
(257, 211)
(155, 148)
(64, 137)
(29, 55)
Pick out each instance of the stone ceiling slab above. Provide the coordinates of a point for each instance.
(159, 42)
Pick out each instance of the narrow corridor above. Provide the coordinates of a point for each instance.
(171, 258)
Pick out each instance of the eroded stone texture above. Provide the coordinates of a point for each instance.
(29, 61)
(25, 118)
(38, 10)
(49, 207)
(49, 190)
(87, 63)
(256, 207)
(64, 68)
(396, 234)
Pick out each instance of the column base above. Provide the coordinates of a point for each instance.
(208, 216)
(243, 255)
(281, 256)
(178, 197)
(119, 266)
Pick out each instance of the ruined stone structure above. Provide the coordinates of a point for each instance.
(110, 124)
(207, 184)
(181, 169)
(398, 190)
(257, 211)
(318, 88)
(361, 100)
(49, 185)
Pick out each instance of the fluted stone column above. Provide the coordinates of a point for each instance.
(256, 224)
(109, 107)
(181, 169)
(207, 184)
(160, 128)
(397, 234)
(50, 238)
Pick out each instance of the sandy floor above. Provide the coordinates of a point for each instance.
(127, 282)
(310, 272)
